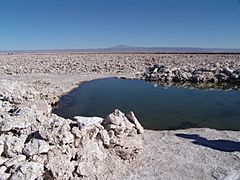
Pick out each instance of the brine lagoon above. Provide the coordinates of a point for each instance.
(155, 106)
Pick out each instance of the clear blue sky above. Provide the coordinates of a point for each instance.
(58, 24)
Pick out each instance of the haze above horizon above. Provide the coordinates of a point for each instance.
(87, 24)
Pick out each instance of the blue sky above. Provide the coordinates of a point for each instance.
(63, 24)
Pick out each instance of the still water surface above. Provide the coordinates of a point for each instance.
(156, 108)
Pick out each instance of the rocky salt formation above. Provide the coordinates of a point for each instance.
(36, 144)
(213, 73)
(67, 63)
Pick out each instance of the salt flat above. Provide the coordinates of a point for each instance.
(33, 82)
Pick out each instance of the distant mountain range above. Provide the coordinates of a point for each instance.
(131, 49)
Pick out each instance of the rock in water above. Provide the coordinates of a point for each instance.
(132, 118)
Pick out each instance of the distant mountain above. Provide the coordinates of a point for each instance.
(122, 46)
(131, 49)
(125, 48)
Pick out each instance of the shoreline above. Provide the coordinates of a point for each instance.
(84, 78)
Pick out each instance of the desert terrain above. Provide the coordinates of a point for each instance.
(36, 144)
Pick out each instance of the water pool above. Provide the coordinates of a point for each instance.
(156, 107)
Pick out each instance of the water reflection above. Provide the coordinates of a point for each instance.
(158, 106)
(198, 86)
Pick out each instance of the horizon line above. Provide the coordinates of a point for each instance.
(119, 47)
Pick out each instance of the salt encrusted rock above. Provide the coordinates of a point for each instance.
(5, 176)
(27, 170)
(84, 135)
(129, 126)
(77, 132)
(35, 146)
(116, 117)
(203, 74)
(2, 170)
(13, 100)
(91, 159)
(2, 160)
(131, 117)
(59, 164)
(118, 122)
(125, 154)
(5, 125)
(1, 147)
(40, 158)
(15, 160)
(13, 146)
(227, 71)
(222, 77)
(25, 118)
(237, 71)
(122, 132)
(105, 137)
(15, 111)
(42, 106)
(116, 140)
(14, 123)
(56, 131)
(88, 121)
(90, 167)
(84, 167)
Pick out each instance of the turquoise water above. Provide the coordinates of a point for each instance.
(156, 107)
